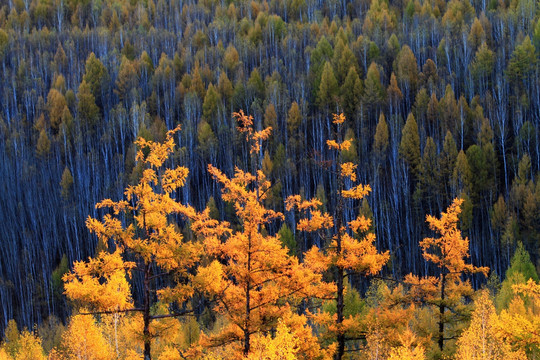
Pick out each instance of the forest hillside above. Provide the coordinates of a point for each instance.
(345, 123)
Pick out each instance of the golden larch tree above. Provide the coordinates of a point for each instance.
(140, 228)
(448, 252)
(481, 340)
(350, 249)
(252, 279)
(386, 324)
(409, 349)
(519, 325)
(284, 346)
(84, 340)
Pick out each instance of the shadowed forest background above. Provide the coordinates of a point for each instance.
(441, 99)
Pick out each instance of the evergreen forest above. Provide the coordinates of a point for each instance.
(277, 179)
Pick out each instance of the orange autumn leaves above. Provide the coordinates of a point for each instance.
(351, 248)
(102, 281)
(354, 254)
(253, 279)
(450, 250)
(243, 269)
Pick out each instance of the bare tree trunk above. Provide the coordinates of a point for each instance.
(248, 300)
(340, 307)
(340, 272)
(441, 313)
(146, 313)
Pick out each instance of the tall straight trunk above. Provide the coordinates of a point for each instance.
(340, 307)
(146, 314)
(146, 305)
(441, 312)
(255, 163)
(248, 303)
(340, 272)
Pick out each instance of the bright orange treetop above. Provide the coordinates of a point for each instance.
(151, 240)
(351, 248)
(253, 279)
(519, 325)
(448, 252)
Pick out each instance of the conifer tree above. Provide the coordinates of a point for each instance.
(409, 349)
(409, 148)
(56, 103)
(380, 143)
(351, 92)
(394, 92)
(351, 247)
(448, 253)
(251, 277)
(481, 339)
(521, 269)
(406, 69)
(153, 243)
(328, 90)
(210, 105)
(87, 110)
(97, 77)
(519, 326)
(522, 62)
(374, 92)
(127, 79)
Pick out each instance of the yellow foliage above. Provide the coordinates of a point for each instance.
(84, 340)
(303, 205)
(408, 350)
(483, 340)
(348, 169)
(386, 324)
(316, 260)
(315, 222)
(29, 347)
(158, 152)
(170, 354)
(531, 288)
(315, 219)
(360, 224)
(284, 346)
(130, 335)
(101, 282)
(252, 277)
(446, 291)
(152, 240)
(338, 118)
(450, 250)
(133, 355)
(520, 326)
(308, 344)
(210, 278)
(253, 138)
(422, 288)
(173, 179)
(346, 253)
(293, 340)
(357, 192)
(344, 146)
(359, 255)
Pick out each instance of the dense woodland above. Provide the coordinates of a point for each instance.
(440, 101)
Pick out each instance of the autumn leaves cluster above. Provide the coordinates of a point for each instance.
(142, 293)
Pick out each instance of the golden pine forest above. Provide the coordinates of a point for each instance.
(269, 179)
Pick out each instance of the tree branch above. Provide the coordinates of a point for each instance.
(112, 311)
